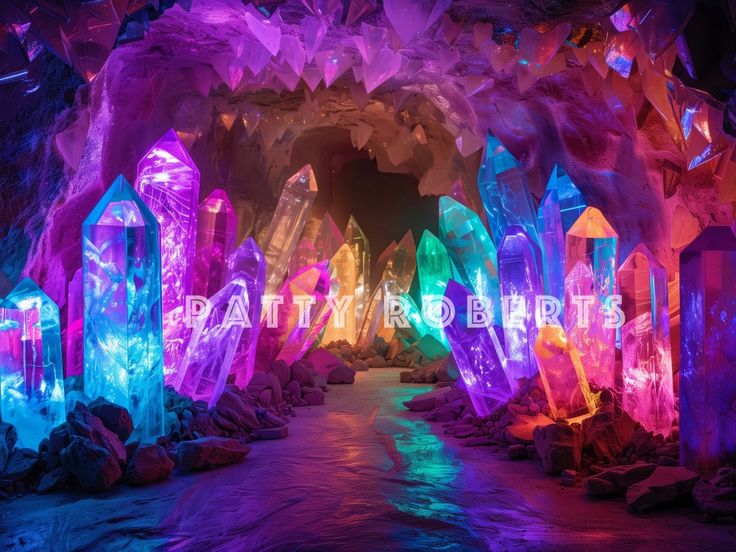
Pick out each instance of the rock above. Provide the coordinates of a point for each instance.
(359, 365)
(233, 408)
(666, 461)
(314, 396)
(516, 452)
(671, 450)
(281, 370)
(265, 397)
(427, 401)
(265, 380)
(92, 465)
(8, 438)
(559, 446)
(521, 429)
(715, 501)
(21, 463)
(407, 376)
(302, 372)
(608, 435)
(271, 433)
(664, 485)
(208, 452)
(341, 374)
(294, 389)
(58, 438)
(150, 463)
(380, 346)
(81, 422)
(620, 478)
(377, 362)
(54, 480)
(447, 372)
(114, 417)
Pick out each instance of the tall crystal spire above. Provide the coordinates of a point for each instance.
(329, 238)
(168, 183)
(217, 228)
(287, 224)
(341, 325)
(123, 349)
(435, 270)
(358, 242)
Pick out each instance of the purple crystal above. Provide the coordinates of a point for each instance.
(217, 229)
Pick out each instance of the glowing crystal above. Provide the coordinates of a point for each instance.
(561, 205)
(168, 183)
(123, 334)
(410, 18)
(503, 189)
(329, 239)
(477, 352)
(708, 350)
(358, 9)
(249, 264)
(471, 250)
(304, 255)
(539, 48)
(385, 65)
(358, 242)
(214, 342)
(267, 31)
(74, 365)
(593, 241)
(562, 375)
(31, 371)
(333, 63)
(521, 284)
(287, 224)
(217, 228)
(435, 270)
(381, 262)
(341, 325)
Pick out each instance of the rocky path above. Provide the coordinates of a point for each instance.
(359, 473)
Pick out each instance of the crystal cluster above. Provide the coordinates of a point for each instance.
(123, 348)
(31, 373)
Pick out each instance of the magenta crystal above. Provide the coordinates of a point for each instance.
(217, 229)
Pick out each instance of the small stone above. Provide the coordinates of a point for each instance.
(265, 380)
(619, 477)
(666, 461)
(272, 433)
(516, 452)
(301, 371)
(377, 362)
(150, 463)
(92, 465)
(664, 485)
(569, 474)
(114, 417)
(233, 408)
(427, 401)
(265, 397)
(406, 376)
(341, 374)
(314, 396)
(281, 370)
(360, 365)
(294, 388)
(208, 452)
(54, 480)
(21, 463)
(8, 438)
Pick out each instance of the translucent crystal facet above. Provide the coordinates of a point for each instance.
(217, 230)
(74, 365)
(562, 375)
(435, 270)
(478, 354)
(593, 241)
(168, 183)
(214, 341)
(123, 334)
(305, 254)
(521, 284)
(341, 325)
(358, 242)
(248, 263)
(708, 350)
(504, 192)
(31, 368)
(329, 239)
(471, 250)
(287, 224)
(561, 205)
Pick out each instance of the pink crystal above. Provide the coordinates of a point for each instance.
(292, 52)
(539, 48)
(304, 255)
(384, 66)
(329, 239)
(358, 9)
(217, 228)
(314, 32)
(333, 63)
(74, 365)
(267, 31)
(410, 18)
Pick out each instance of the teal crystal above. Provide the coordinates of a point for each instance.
(504, 192)
(31, 371)
(435, 270)
(123, 349)
(472, 252)
(561, 205)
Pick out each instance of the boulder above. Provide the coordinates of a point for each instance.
(8, 438)
(21, 463)
(559, 446)
(294, 388)
(82, 423)
(265, 380)
(208, 452)
(608, 434)
(233, 408)
(301, 371)
(54, 480)
(114, 417)
(341, 374)
(359, 365)
(331, 367)
(150, 463)
(714, 500)
(281, 370)
(407, 376)
(377, 362)
(380, 346)
(314, 396)
(92, 465)
(665, 484)
(58, 438)
(618, 479)
(428, 401)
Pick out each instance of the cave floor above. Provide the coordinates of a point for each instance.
(360, 473)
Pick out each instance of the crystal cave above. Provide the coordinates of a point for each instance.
(366, 275)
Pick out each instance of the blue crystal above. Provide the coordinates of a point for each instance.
(123, 349)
